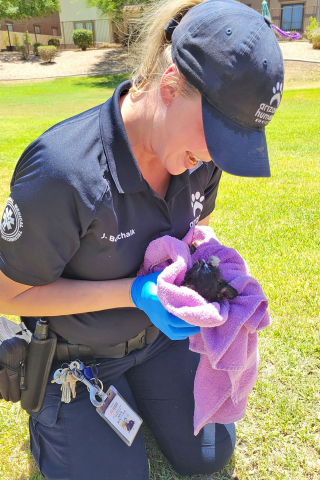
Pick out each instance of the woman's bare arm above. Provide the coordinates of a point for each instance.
(204, 222)
(63, 297)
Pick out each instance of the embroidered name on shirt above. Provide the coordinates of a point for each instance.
(121, 236)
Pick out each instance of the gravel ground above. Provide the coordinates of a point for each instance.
(300, 50)
(72, 62)
(69, 62)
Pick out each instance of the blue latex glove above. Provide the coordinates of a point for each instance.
(144, 296)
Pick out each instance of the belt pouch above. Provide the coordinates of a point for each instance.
(39, 361)
(14, 340)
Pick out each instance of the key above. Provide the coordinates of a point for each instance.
(72, 382)
(59, 375)
(76, 364)
(66, 390)
(62, 378)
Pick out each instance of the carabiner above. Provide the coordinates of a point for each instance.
(93, 389)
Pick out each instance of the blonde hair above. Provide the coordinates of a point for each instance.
(152, 50)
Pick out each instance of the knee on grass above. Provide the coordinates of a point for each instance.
(207, 458)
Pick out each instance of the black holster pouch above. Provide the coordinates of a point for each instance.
(25, 364)
(39, 361)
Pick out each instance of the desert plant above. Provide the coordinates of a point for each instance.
(36, 45)
(54, 41)
(47, 52)
(315, 38)
(26, 38)
(313, 26)
(110, 45)
(16, 40)
(23, 50)
(6, 39)
(82, 38)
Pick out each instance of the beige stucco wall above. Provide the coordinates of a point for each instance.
(255, 4)
(40, 38)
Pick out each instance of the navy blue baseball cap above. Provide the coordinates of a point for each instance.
(229, 52)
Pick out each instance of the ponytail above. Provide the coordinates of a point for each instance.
(152, 50)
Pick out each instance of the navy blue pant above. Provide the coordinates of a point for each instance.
(72, 442)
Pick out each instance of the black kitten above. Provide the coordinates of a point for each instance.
(205, 278)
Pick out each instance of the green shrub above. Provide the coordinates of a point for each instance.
(313, 26)
(83, 38)
(6, 39)
(54, 41)
(47, 52)
(23, 50)
(26, 38)
(36, 45)
(315, 38)
(16, 40)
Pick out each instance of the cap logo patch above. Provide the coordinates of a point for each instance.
(11, 222)
(277, 94)
(265, 112)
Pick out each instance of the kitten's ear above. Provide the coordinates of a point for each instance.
(214, 261)
(196, 266)
(228, 292)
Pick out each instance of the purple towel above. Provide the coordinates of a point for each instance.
(228, 340)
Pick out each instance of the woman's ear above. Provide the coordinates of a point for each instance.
(169, 85)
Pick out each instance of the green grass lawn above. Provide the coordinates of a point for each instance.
(275, 225)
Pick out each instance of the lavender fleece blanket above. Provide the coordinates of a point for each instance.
(228, 339)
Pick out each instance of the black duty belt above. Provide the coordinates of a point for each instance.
(68, 351)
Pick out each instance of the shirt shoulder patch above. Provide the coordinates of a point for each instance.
(11, 222)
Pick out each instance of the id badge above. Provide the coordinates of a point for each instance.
(120, 416)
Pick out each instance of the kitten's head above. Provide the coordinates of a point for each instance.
(205, 278)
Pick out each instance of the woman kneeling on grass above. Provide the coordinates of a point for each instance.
(92, 192)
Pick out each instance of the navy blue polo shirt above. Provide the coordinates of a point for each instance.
(80, 209)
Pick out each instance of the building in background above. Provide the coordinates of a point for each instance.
(292, 15)
(76, 15)
(40, 29)
(288, 15)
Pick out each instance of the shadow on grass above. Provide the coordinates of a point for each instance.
(102, 81)
(116, 60)
(33, 473)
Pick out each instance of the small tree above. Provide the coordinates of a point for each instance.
(83, 38)
(16, 40)
(22, 9)
(26, 38)
(313, 26)
(316, 38)
(114, 8)
(23, 50)
(6, 39)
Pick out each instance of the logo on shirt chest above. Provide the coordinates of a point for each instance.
(197, 207)
(118, 237)
(11, 222)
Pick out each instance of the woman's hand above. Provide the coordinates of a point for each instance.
(144, 296)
